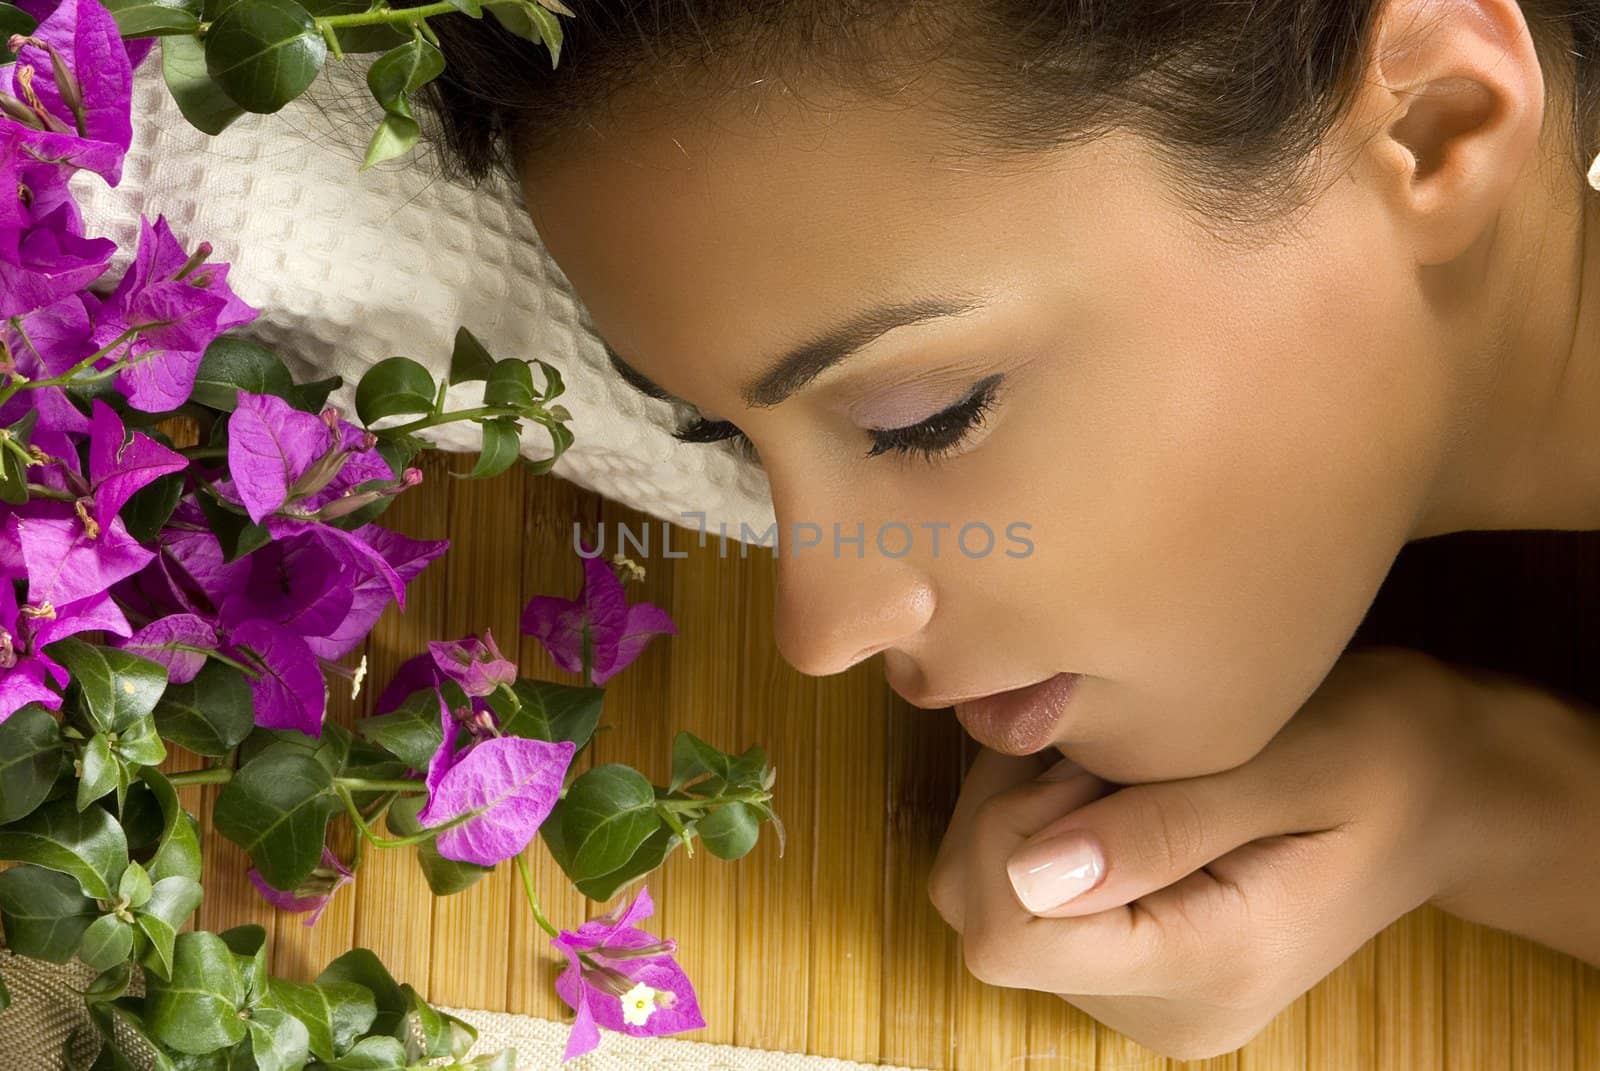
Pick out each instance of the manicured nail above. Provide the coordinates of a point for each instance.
(1053, 871)
(1061, 771)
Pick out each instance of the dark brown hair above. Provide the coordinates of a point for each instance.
(1236, 94)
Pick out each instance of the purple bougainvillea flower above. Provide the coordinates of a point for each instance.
(188, 296)
(178, 641)
(514, 783)
(638, 989)
(618, 632)
(310, 895)
(119, 465)
(65, 563)
(26, 631)
(43, 254)
(51, 339)
(85, 123)
(289, 691)
(477, 665)
(280, 456)
(406, 558)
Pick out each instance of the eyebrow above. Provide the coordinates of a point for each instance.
(809, 360)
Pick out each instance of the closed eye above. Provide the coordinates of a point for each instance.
(932, 438)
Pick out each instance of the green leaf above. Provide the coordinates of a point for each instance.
(607, 813)
(178, 854)
(470, 361)
(150, 507)
(103, 772)
(248, 943)
(198, 1010)
(264, 53)
(13, 20)
(403, 71)
(646, 858)
(468, 7)
(360, 967)
(172, 901)
(313, 397)
(334, 1014)
(30, 760)
(201, 100)
(110, 984)
(372, 1054)
(530, 22)
(397, 385)
(502, 445)
(510, 384)
(278, 1042)
(44, 912)
(232, 364)
(553, 385)
(553, 712)
(135, 886)
(692, 757)
(89, 845)
(210, 715)
(411, 731)
(396, 135)
(13, 477)
(114, 688)
(140, 745)
(549, 31)
(445, 877)
(148, 17)
(277, 808)
(234, 531)
(730, 831)
(107, 942)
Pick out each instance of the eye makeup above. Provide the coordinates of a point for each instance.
(931, 438)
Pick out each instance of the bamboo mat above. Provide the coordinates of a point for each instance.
(834, 949)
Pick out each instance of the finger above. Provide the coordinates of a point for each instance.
(1142, 838)
(1005, 945)
(994, 774)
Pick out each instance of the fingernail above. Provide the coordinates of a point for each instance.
(1053, 871)
(1061, 771)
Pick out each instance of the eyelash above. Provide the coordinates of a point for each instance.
(932, 438)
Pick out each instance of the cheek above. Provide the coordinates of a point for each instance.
(1232, 484)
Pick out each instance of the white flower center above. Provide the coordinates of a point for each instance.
(637, 1005)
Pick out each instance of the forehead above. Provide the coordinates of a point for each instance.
(724, 236)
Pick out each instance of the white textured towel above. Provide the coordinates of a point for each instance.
(349, 268)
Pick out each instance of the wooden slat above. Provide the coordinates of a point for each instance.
(471, 957)
(1477, 996)
(775, 985)
(1341, 1014)
(1410, 992)
(834, 948)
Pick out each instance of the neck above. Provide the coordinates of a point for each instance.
(1527, 449)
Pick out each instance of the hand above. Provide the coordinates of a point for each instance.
(1218, 900)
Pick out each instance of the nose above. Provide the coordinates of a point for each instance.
(836, 610)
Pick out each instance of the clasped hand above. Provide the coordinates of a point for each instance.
(1186, 914)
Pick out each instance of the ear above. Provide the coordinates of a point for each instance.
(1454, 95)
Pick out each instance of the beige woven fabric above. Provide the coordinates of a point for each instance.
(46, 1010)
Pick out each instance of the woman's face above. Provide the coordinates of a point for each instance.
(1198, 460)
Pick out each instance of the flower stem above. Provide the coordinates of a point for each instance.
(359, 784)
(215, 775)
(533, 897)
(66, 378)
(394, 842)
(457, 414)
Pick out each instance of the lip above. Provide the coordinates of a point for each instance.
(1022, 720)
